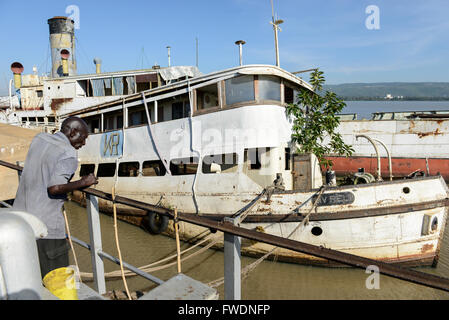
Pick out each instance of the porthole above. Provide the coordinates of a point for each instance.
(317, 231)
(406, 190)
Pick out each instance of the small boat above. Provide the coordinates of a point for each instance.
(219, 145)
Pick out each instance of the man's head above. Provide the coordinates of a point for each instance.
(76, 130)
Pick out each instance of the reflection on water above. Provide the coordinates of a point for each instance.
(270, 280)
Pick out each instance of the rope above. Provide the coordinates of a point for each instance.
(150, 267)
(118, 245)
(178, 247)
(247, 269)
(78, 275)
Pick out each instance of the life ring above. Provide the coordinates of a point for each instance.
(157, 223)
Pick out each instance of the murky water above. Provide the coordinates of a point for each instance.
(270, 280)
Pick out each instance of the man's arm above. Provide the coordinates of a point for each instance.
(82, 183)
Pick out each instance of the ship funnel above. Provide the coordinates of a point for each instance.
(62, 37)
(97, 62)
(17, 69)
(65, 54)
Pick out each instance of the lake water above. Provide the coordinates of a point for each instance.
(269, 281)
(364, 109)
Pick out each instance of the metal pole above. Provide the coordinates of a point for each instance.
(240, 43)
(10, 95)
(168, 48)
(93, 214)
(232, 265)
(196, 52)
(275, 26)
(20, 277)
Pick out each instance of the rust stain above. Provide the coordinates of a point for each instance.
(427, 247)
(57, 103)
(433, 133)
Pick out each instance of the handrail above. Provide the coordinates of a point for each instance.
(390, 169)
(429, 280)
(379, 176)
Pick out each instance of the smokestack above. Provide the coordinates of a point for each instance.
(62, 37)
(97, 62)
(17, 69)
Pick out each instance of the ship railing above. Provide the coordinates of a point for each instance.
(232, 244)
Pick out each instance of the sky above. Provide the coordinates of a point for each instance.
(349, 40)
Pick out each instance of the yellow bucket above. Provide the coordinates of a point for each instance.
(61, 283)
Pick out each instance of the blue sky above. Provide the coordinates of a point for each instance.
(411, 45)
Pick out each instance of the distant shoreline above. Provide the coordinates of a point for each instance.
(394, 99)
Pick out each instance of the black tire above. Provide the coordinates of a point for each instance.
(157, 223)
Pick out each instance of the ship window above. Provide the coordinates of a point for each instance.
(239, 89)
(287, 158)
(39, 93)
(254, 157)
(160, 114)
(86, 169)
(290, 93)
(184, 166)
(220, 163)
(106, 170)
(153, 168)
(93, 125)
(128, 169)
(269, 88)
(137, 118)
(177, 111)
(207, 97)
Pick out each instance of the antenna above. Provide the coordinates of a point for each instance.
(196, 38)
(275, 24)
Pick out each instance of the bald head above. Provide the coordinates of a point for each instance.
(76, 130)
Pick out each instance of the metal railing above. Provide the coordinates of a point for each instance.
(232, 242)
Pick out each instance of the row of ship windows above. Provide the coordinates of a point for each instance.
(183, 166)
(151, 168)
(236, 90)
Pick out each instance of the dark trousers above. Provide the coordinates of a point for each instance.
(53, 254)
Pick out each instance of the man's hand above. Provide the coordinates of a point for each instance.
(89, 180)
(84, 182)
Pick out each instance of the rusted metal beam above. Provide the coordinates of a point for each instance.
(10, 165)
(394, 271)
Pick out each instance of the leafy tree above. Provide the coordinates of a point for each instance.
(315, 118)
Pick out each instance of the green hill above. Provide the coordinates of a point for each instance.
(377, 91)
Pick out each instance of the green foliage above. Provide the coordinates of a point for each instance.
(315, 118)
